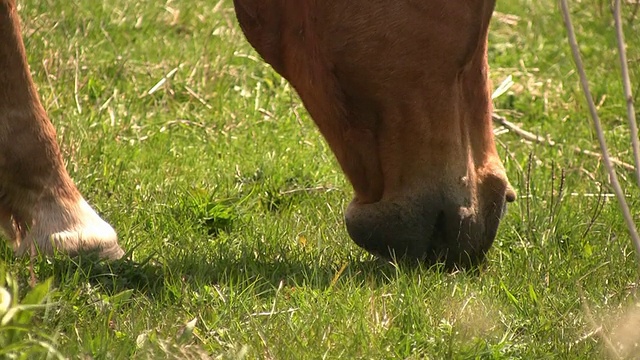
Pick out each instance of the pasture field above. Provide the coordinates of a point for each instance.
(230, 204)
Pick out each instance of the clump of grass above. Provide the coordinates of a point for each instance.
(21, 334)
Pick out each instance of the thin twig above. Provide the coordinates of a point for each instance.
(162, 81)
(589, 335)
(308, 190)
(45, 67)
(613, 177)
(529, 136)
(614, 160)
(521, 132)
(271, 313)
(198, 97)
(75, 82)
(626, 85)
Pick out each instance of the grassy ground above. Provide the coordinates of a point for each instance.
(230, 204)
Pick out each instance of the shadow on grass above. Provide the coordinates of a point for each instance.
(111, 276)
(155, 279)
(244, 268)
(262, 273)
(159, 278)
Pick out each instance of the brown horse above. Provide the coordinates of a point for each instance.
(399, 90)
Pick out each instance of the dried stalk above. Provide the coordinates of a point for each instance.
(626, 85)
(613, 177)
(529, 136)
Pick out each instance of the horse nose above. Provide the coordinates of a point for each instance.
(432, 229)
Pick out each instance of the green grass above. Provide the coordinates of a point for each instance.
(230, 203)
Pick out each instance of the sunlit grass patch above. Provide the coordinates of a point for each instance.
(230, 204)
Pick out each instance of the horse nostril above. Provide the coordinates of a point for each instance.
(439, 226)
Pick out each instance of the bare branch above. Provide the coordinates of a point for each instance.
(626, 85)
(613, 177)
(599, 156)
(529, 136)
